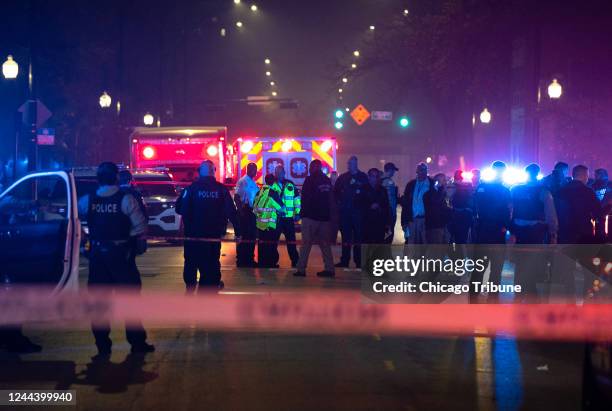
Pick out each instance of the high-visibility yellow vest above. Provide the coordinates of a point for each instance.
(266, 209)
(291, 201)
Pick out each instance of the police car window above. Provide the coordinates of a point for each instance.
(34, 200)
(152, 190)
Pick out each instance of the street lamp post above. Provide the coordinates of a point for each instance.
(554, 89)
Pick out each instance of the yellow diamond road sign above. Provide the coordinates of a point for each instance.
(360, 114)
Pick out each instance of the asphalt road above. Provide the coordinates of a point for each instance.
(194, 368)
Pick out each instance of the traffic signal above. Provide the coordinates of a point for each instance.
(404, 122)
(338, 119)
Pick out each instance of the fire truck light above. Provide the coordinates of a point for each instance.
(246, 146)
(286, 146)
(212, 151)
(135, 140)
(326, 145)
(148, 152)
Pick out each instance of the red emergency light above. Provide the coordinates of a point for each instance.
(148, 152)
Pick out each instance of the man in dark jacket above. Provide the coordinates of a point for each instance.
(462, 214)
(603, 191)
(316, 202)
(413, 209)
(393, 194)
(437, 211)
(577, 206)
(138, 245)
(374, 204)
(346, 189)
(205, 205)
(493, 205)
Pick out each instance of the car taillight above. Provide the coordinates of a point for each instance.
(148, 152)
(246, 147)
(212, 150)
(326, 145)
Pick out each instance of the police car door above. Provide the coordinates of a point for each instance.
(40, 232)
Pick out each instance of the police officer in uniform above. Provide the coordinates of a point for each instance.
(114, 218)
(205, 205)
(291, 202)
(493, 203)
(534, 221)
(139, 245)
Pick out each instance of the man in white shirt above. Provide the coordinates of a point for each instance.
(246, 190)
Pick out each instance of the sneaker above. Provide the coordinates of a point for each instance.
(342, 265)
(142, 348)
(326, 274)
(299, 274)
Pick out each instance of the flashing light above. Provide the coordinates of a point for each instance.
(212, 151)
(339, 125)
(514, 175)
(540, 176)
(339, 114)
(554, 89)
(246, 147)
(404, 122)
(326, 145)
(467, 175)
(148, 152)
(488, 174)
(286, 146)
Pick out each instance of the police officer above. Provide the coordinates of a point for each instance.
(267, 207)
(492, 202)
(246, 190)
(393, 194)
(290, 212)
(138, 244)
(205, 205)
(534, 221)
(348, 186)
(113, 217)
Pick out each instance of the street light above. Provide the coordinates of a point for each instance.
(356, 53)
(239, 24)
(148, 119)
(274, 93)
(267, 61)
(10, 68)
(554, 89)
(344, 80)
(268, 73)
(105, 100)
(253, 8)
(353, 66)
(272, 83)
(485, 116)
(406, 12)
(372, 28)
(236, 1)
(340, 90)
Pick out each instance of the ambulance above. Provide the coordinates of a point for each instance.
(294, 153)
(181, 150)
